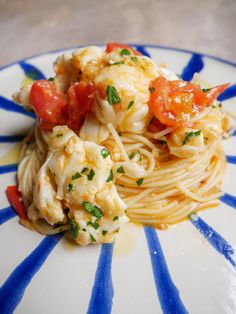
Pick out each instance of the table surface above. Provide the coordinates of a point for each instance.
(30, 27)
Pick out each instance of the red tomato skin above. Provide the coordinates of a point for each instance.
(80, 99)
(15, 199)
(174, 102)
(50, 106)
(112, 46)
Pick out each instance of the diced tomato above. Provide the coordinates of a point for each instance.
(50, 106)
(174, 103)
(80, 98)
(15, 199)
(112, 46)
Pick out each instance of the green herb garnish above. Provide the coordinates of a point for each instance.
(76, 176)
(93, 224)
(134, 59)
(115, 218)
(84, 229)
(74, 229)
(104, 232)
(162, 142)
(220, 105)
(70, 187)
(112, 95)
(92, 209)
(84, 169)
(59, 135)
(139, 181)
(131, 156)
(205, 90)
(151, 89)
(105, 153)
(120, 169)
(110, 176)
(190, 135)
(117, 63)
(51, 79)
(125, 52)
(92, 238)
(91, 175)
(131, 103)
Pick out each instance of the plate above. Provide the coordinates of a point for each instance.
(189, 268)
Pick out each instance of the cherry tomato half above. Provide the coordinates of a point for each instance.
(174, 103)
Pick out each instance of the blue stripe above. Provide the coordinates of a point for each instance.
(194, 65)
(167, 292)
(11, 138)
(6, 214)
(214, 238)
(130, 44)
(31, 71)
(230, 92)
(102, 292)
(229, 200)
(13, 289)
(234, 134)
(231, 159)
(8, 168)
(142, 50)
(9, 105)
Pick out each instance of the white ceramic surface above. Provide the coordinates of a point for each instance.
(201, 274)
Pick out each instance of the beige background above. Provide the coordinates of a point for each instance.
(29, 27)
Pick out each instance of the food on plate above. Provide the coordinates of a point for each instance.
(117, 138)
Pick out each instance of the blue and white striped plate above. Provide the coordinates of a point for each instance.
(189, 268)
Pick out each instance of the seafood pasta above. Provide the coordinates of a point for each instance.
(117, 138)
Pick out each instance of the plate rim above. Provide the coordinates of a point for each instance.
(164, 47)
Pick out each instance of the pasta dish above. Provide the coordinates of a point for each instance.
(117, 138)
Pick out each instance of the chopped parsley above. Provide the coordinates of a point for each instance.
(140, 156)
(51, 79)
(220, 105)
(112, 95)
(139, 181)
(110, 176)
(76, 176)
(84, 229)
(92, 238)
(92, 209)
(59, 135)
(74, 229)
(205, 90)
(151, 89)
(131, 156)
(93, 224)
(162, 142)
(91, 175)
(117, 63)
(134, 59)
(105, 153)
(190, 135)
(120, 169)
(104, 232)
(115, 218)
(125, 52)
(70, 187)
(131, 103)
(84, 169)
